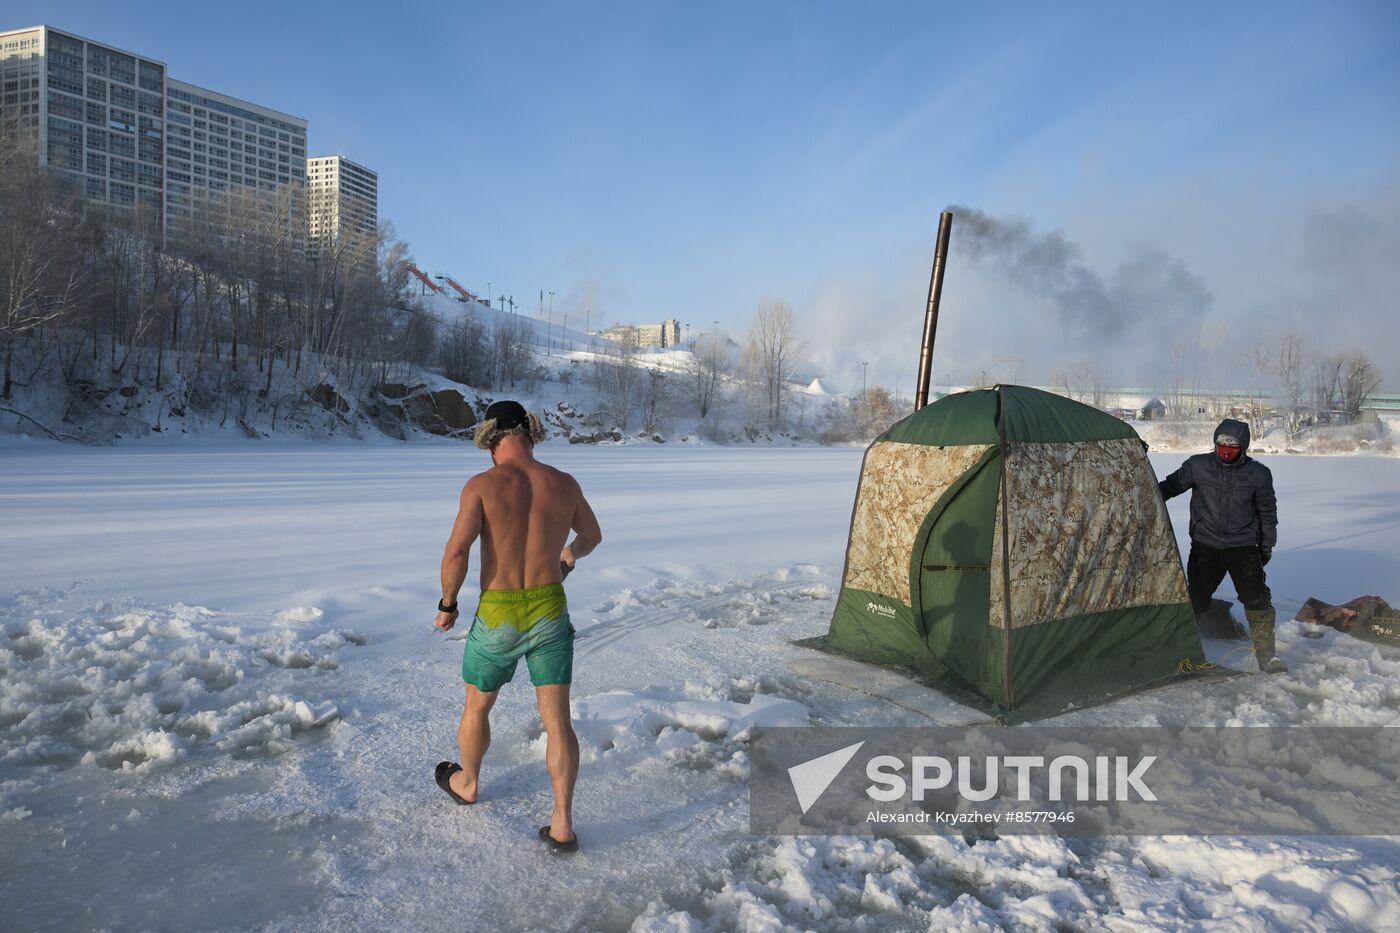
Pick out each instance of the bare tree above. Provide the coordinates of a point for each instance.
(1183, 387)
(773, 352)
(872, 412)
(1081, 382)
(616, 377)
(654, 392)
(511, 351)
(1255, 361)
(706, 366)
(1289, 366)
(1360, 380)
(39, 281)
(465, 352)
(1327, 385)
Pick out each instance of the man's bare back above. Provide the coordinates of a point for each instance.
(528, 509)
(522, 510)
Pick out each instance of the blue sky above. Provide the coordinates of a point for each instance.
(649, 160)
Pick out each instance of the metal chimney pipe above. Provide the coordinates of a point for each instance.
(935, 291)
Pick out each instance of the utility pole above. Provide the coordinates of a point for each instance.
(488, 293)
(863, 364)
(564, 333)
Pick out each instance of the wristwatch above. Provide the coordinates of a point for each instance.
(443, 607)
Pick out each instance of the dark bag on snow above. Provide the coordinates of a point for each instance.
(1367, 617)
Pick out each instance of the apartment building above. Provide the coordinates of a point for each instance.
(218, 147)
(344, 203)
(98, 113)
(131, 137)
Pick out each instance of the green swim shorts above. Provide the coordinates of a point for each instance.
(531, 623)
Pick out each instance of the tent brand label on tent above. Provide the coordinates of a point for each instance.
(880, 609)
(1076, 781)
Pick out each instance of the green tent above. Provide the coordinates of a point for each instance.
(1097, 602)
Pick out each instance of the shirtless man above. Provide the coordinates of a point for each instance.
(523, 511)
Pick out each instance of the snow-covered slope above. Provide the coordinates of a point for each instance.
(218, 675)
(546, 330)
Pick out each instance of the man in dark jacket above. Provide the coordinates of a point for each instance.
(1234, 525)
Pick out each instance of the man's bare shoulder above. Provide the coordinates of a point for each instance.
(481, 481)
(562, 479)
(555, 471)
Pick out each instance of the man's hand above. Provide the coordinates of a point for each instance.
(445, 620)
(1265, 553)
(567, 558)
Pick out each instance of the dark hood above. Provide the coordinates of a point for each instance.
(1237, 428)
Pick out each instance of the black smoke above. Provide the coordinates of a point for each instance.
(1149, 297)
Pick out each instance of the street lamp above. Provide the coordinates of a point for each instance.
(549, 329)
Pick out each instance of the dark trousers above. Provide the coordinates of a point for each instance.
(1206, 568)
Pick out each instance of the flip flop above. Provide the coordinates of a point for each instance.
(443, 774)
(555, 845)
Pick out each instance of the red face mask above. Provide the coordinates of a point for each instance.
(1227, 454)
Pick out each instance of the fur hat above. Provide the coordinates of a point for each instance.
(505, 418)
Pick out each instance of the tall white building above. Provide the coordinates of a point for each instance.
(131, 137)
(344, 202)
(99, 114)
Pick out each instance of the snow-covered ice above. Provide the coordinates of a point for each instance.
(222, 697)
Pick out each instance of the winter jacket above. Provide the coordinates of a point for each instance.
(1232, 504)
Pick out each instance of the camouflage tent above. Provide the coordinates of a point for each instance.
(1013, 543)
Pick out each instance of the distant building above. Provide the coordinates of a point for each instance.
(665, 334)
(1154, 410)
(344, 197)
(620, 333)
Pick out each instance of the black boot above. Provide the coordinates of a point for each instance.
(1261, 632)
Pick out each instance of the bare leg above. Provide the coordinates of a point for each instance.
(561, 755)
(473, 738)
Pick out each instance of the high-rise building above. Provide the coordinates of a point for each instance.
(98, 112)
(344, 204)
(218, 146)
(132, 137)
